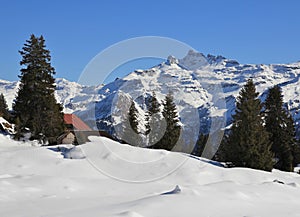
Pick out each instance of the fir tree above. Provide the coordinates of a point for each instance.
(248, 142)
(154, 105)
(172, 133)
(132, 115)
(4, 108)
(131, 134)
(280, 126)
(35, 105)
(153, 121)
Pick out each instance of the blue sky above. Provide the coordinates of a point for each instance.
(265, 31)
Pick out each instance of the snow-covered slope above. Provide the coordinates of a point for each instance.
(38, 181)
(9, 90)
(204, 87)
(73, 96)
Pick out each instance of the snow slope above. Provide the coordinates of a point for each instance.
(38, 181)
(73, 96)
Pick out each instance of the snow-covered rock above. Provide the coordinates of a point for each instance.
(172, 60)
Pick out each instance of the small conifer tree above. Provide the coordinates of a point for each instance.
(4, 112)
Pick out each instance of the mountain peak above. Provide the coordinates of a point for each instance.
(172, 60)
(193, 53)
(196, 60)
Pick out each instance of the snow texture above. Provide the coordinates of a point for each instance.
(38, 181)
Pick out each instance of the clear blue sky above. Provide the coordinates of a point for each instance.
(253, 31)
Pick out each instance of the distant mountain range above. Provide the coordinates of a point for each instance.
(204, 89)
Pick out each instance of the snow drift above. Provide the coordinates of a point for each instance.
(38, 181)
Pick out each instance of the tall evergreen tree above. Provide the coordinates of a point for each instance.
(280, 126)
(154, 105)
(132, 115)
(131, 134)
(35, 105)
(248, 142)
(153, 121)
(4, 108)
(172, 133)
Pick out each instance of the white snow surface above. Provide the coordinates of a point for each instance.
(38, 181)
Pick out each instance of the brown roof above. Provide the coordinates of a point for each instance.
(77, 123)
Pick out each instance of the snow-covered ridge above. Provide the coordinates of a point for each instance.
(72, 95)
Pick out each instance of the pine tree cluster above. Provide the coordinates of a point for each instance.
(261, 136)
(172, 132)
(162, 129)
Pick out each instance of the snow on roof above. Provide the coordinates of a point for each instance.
(77, 123)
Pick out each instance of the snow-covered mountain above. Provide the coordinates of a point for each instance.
(73, 96)
(204, 88)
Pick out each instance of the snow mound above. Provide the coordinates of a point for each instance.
(74, 153)
(37, 181)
